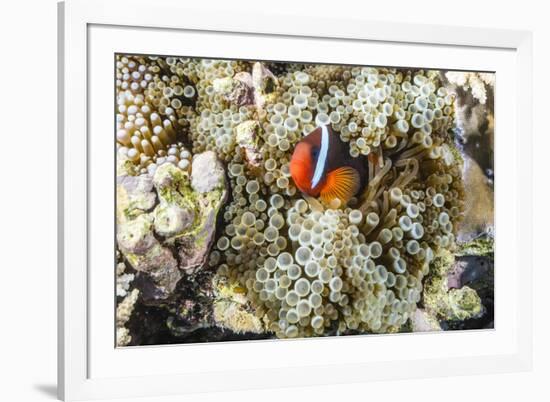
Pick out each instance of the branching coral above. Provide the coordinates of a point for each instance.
(123, 279)
(476, 83)
(123, 313)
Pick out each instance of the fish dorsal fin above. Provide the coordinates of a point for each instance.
(342, 183)
(322, 158)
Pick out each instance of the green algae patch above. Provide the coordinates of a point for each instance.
(464, 303)
(449, 304)
(232, 309)
(482, 246)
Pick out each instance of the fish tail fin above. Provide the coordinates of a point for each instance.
(342, 183)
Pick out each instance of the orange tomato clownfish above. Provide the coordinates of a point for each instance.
(321, 166)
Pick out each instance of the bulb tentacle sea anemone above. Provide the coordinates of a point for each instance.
(308, 265)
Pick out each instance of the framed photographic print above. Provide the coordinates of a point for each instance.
(345, 197)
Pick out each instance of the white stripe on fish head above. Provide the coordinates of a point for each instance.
(321, 159)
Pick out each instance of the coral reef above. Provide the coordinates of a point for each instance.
(215, 235)
(474, 108)
(124, 279)
(477, 84)
(135, 236)
(166, 223)
(453, 288)
(478, 205)
(232, 310)
(422, 321)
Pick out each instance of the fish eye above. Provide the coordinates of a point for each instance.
(314, 152)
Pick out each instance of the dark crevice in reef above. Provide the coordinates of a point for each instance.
(185, 318)
(478, 275)
(148, 326)
(476, 272)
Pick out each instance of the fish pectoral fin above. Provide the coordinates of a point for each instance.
(342, 183)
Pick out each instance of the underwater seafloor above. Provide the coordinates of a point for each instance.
(214, 242)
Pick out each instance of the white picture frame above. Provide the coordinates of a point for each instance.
(90, 367)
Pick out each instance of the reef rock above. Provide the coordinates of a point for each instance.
(245, 89)
(474, 268)
(232, 310)
(237, 90)
(171, 219)
(166, 223)
(123, 279)
(421, 321)
(264, 83)
(207, 173)
(248, 136)
(145, 254)
(135, 237)
(479, 203)
(456, 304)
(134, 196)
(192, 206)
(471, 270)
(186, 215)
(464, 303)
